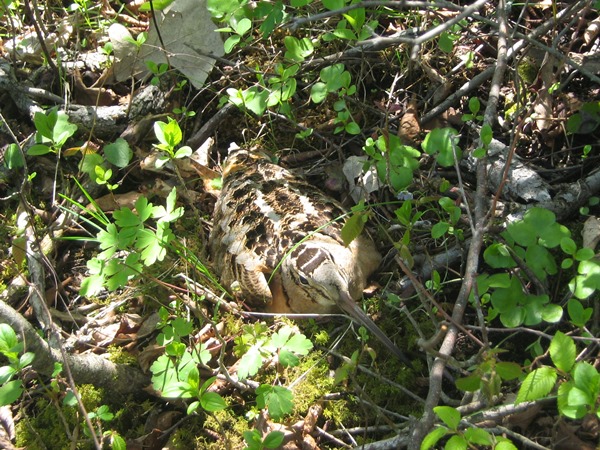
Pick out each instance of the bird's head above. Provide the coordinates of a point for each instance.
(319, 278)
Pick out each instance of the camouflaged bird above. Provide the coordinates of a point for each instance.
(280, 239)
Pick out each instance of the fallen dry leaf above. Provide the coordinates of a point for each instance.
(410, 129)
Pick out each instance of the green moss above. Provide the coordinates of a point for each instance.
(225, 424)
(46, 425)
(527, 70)
(41, 428)
(119, 356)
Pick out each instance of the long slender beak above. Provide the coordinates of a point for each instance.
(349, 306)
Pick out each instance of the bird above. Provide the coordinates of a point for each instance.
(278, 239)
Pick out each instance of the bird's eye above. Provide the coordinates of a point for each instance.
(303, 280)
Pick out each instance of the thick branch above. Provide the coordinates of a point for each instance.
(89, 368)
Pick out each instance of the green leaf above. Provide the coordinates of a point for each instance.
(44, 124)
(242, 26)
(469, 383)
(584, 254)
(562, 351)
(478, 436)
(333, 4)
(9, 344)
(579, 316)
(231, 42)
(277, 399)
(587, 378)
(450, 416)
(250, 363)
(299, 344)
(486, 134)
(564, 406)
(522, 232)
(118, 153)
(318, 92)
(588, 280)
(62, 129)
(479, 152)
(457, 442)
(212, 402)
(10, 392)
(183, 152)
(288, 359)
(540, 219)
(439, 229)
(92, 285)
(297, 49)
(433, 437)
(6, 373)
(509, 370)
(442, 142)
(552, 313)
(353, 227)
(504, 444)
(342, 32)
(498, 256)
(117, 442)
(38, 150)
(474, 105)
(537, 384)
(253, 440)
(158, 5)
(568, 245)
(26, 359)
(274, 439)
(13, 157)
(89, 162)
(445, 42)
(352, 128)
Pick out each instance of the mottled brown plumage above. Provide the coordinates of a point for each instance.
(279, 237)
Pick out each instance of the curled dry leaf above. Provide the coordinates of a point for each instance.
(592, 31)
(410, 129)
(591, 232)
(361, 183)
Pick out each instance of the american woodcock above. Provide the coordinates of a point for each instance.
(279, 238)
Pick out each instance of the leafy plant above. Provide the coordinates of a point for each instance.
(254, 99)
(337, 80)
(281, 87)
(298, 49)
(461, 437)
(441, 227)
(488, 376)
(97, 417)
(442, 144)
(256, 346)
(169, 136)
(586, 120)
(254, 440)
(353, 27)
(157, 70)
(98, 168)
(175, 374)
(137, 244)
(53, 131)
(474, 108)
(578, 386)
(278, 400)
(394, 161)
(530, 240)
(12, 349)
(13, 157)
